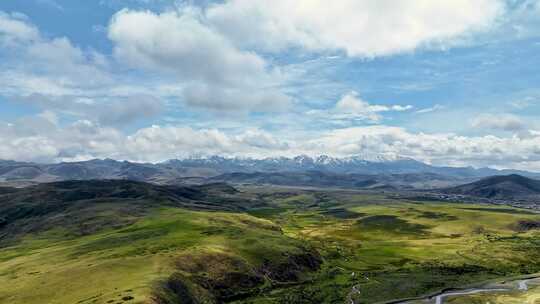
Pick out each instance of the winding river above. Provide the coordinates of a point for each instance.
(507, 286)
(440, 298)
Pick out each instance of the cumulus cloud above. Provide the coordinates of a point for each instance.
(217, 74)
(353, 108)
(436, 148)
(352, 103)
(39, 138)
(33, 63)
(57, 77)
(504, 122)
(360, 28)
(15, 29)
(179, 42)
(163, 142)
(261, 139)
(36, 138)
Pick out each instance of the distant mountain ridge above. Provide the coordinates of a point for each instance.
(329, 179)
(324, 163)
(500, 187)
(199, 170)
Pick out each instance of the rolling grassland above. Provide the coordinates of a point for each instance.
(291, 246)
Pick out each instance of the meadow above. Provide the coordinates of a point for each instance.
(388, 249)
(300, 247)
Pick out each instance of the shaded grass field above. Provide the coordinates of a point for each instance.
(301, 247)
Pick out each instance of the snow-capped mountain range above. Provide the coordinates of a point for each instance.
(354, 164)
(201, 168)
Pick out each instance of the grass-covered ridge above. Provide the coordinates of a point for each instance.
(265, 245)
(217, 255)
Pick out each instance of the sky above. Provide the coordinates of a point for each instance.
(447, 82)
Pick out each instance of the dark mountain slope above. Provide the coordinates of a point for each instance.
(500, 187)
(311, 178)
(83, 207)
(329, 179)
(86, 170)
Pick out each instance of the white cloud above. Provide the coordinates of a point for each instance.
(36, 138)
(208, 64)
(351, 108)
(207, 70)
(15, 29)
(261, 139)
(361, 28)
(434, 108)
(40, 139)
(437, 148)
(180, 43)
(159, 142)
(54, 75)
(33, 63)
(504, 122)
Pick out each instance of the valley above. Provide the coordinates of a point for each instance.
(218, 244)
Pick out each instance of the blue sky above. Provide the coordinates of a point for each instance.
(450, 82)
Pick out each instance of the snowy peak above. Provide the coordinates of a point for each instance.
(372, 164)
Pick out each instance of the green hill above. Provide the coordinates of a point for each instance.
(500, 187)
(123, 241)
